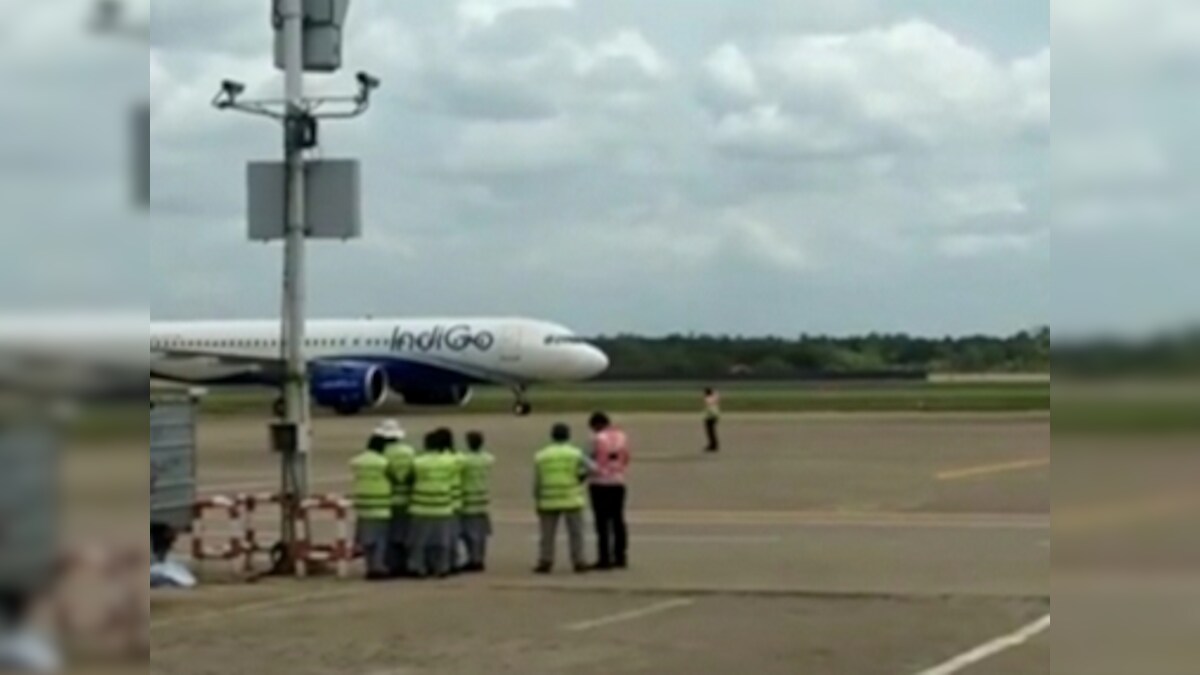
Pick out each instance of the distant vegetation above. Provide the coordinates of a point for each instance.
(1167, 354)
(819, 357)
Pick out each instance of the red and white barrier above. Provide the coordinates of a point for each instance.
(242, 540)
(233, 546)
(341, 551)
(251, 505)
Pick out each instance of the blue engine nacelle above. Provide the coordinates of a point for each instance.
(348, 387)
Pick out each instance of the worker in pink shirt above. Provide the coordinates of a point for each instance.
(610, 454)
(712, 418)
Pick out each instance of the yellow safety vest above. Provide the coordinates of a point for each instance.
(476, 477)
(372, 489)
(459, 462)
(432, 486)
(560, 487)
(400, 459)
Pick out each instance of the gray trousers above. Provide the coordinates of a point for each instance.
(454, 536)
(398, 536)
(372, 537)
(428, 545)
(475, 533)
(549, 534)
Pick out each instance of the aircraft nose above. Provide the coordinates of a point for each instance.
(595, 362)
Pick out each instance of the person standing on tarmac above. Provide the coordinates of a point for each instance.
(400, 457)
(560, 472)
(610, 454)
(712, 419)
(476, 521)
(372, 496)
(430, 510)
(454, 533)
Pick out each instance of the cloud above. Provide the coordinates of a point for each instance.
(982, 201)
(974, 245)
(798, 168)
(476, 14)
(491, 148)
(910, 83)
(626, 47)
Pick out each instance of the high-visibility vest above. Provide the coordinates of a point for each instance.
(560, 483)
(712, 406)
(476, 475)
(459, 462)
(400, 459)
(372, 489)
(432, 474)
(611, 456)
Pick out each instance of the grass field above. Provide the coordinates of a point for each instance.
(668, 397)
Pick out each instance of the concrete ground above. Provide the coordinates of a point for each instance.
(813, 544)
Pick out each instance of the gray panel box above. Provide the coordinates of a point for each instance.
(333, 189)
(172, 461)
(29, 511)
(323, 21)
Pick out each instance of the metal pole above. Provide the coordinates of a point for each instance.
(295, 464)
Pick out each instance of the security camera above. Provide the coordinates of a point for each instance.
(232, 89)
(368, 81)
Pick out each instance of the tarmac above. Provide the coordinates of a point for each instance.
(839, 544)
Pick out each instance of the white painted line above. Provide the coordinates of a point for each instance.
(249, 608)
(987, 651)
(658, 608)
(990, 469)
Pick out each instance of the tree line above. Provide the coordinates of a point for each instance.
(874, 356)
(1165, 354)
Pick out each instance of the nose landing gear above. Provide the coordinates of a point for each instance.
(521, 407)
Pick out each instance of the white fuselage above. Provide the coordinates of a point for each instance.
(470, 350)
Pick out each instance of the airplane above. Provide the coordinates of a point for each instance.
(354, 365)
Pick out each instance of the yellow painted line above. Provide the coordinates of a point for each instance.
(991, 469)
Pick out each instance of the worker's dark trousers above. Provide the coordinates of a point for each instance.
(710, 428)
(612, 536)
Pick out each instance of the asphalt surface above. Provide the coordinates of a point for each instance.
(841, 544)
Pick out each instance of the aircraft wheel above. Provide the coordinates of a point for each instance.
(522, 409)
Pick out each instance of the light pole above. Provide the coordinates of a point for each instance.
(293, 19)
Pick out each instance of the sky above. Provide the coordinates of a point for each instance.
(728, 166)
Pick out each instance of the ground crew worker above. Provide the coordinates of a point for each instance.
(561, 470)
(610, 454)
(400, 458)
(430, 510)
(372, 496)
(455, 528)
(712, 418)
(476, 519)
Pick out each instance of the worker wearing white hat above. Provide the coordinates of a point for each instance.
(400, 458)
